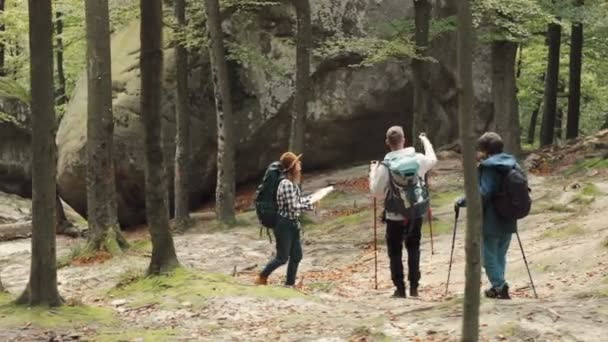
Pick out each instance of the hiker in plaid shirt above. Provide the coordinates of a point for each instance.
(291, 204)
(287, 231)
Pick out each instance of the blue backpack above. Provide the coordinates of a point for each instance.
(407, 194)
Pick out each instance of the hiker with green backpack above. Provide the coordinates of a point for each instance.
(279, 205)
(399, 180)
(504, 190)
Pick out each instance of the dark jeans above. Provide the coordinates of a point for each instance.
(289, 248)
(398, 232)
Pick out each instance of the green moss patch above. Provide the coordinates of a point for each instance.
(590, 189)
(366, 334)
(443, 198)
(141, 246)
(147, 335)
(563, 232)
(12, 316)
(184, 285)
(588, 164)
(439, 227)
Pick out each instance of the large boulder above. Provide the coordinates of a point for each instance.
(350, 108)
(15, 154)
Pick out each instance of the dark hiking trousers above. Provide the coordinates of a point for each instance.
(289, 248)
(398, 233)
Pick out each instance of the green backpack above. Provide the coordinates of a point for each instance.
(407, 194)
(266, 206)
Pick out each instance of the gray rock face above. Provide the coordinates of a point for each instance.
(15, 155)
(349, 111)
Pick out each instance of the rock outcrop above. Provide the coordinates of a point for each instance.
(349, 111)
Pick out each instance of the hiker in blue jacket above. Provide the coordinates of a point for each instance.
(496, 230)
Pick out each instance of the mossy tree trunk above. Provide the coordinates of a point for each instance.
(42, 286)
(470, 319)
(163, 258)
(226, 188)
(104, 232)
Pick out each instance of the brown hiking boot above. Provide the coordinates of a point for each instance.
(261, 280)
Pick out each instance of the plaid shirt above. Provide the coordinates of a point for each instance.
(290, 202)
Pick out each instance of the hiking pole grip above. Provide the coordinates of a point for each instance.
(527, 267)
(375, 248)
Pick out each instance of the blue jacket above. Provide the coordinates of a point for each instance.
(489, 185)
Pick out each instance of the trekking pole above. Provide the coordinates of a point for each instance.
(375, 248)
(430, 217)
(447, 284)
(430, 214)
(526, 262)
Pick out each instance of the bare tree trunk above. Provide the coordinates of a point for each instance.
(421, 71)
(164, 258)
(551, 82)
(61, 95)
(559, 118)
(470, 319)
(42, 285)
(2, 58)
(182, 140)
(303, 46)
(104, 232)
(504, 93)
(576, 62)
(225, 190)
(533, 120)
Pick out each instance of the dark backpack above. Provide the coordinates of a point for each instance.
(266, 206)
(513, 201)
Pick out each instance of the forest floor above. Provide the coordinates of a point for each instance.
(213, 297)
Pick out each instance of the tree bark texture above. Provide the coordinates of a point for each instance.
(547, 132)
(42, 285)
(2, 52)
(504, 94)
(470, 319)
(574, 87)
(421, 71)
(533, 121)
(225, 189)
(164, 258)
(182, 140)
(104, 232)
(61, 96)
(303, 46)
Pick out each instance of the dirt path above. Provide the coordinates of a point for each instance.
(564, 239)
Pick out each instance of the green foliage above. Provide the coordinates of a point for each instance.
(510, 20)
(392, 40)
